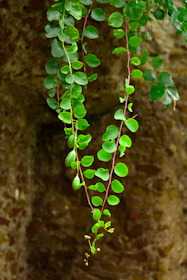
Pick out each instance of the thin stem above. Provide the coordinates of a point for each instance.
(58, 97)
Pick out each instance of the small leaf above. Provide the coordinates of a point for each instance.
(143, 57)
(146, 35)
(117, 3)
(119, 33)
(149, 75)
(52, 30)
(104, 156)
(65, 117)
(92, 77)
(77, 65)
(107, 213)
(113, 200)
(118, 50)
(129, 89)
(69, 79)
(157, 91)
(117, 187)
(130, 107)
(82, 124)
(157, 62)
(132, 11)
(119, 115)
(109, 147)
(87, 161)
(107, 224)
(71, 32)
(76, 91)
(53, 15)
(97, 201)
(76, 11)
(135, 61)
(165, 78)
(52, 103)
(102, 173)
(76, 183)
(92, 60)
(99, 236)
(134, 41)
(132, 125)
(98, 14)
(159, 14)
(133, 26)
(137, 73)
(172, 91)
(97, 214)
(57, 49)
(115, 20)
(80, 78)
(126, 141)
(79, 111)
(71, 141)
(121, 170)
(89, 173)
(70, 158)
(90, 32)
(50, 82)
(112, 132)
(52, 66)
(100, 187)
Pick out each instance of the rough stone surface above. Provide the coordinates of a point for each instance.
(42, 220)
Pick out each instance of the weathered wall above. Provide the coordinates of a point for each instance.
(42, 220)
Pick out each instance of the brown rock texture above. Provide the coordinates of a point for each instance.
(42, 220)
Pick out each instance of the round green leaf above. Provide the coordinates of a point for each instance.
(92, 60)
(52, 103)
(65, 69)
(79, 112)
(97, 214)
(90, 32)
(165, 78)
(125, 141)
(132, 11)
(143, 57)
(80, 78)
(137, 73)
(119, 33)
(87, 161)
(103, 155)
(109, 147)
(107, 213)
(77, 65)
(76, 91)
(157, 91)
(56, 49)
(98, 14)
(118, 50)
(71, 32)
(82, 124)
(121, 170)
(89, 173)
(50, 82)
(92, 77)
(149, 75)
(132, 125)
(167, 99)
(100, 187)
(159, 14)
(117, 187)
(117, 3)
(112, 132)
(135, 61)
(76, 11)
(146, 35)
(65, 117)
(173, 92)
(133, 26)
(52, 30)
(119, 115)
(52, 66)
(115, 20)
(157, 62)
(69, 79)
(96, 201)
(102, 173)
(53, 15)
(70, 158)
(113, 200)
(134, 41)
(71, 141)
(129, 89)
(76, 183)
(86, 2)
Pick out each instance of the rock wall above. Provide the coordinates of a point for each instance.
(42, 219)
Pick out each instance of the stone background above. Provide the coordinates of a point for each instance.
(42, 220)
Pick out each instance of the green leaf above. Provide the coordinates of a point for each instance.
(89, 173)
(69, 79)
(113, 200)
(76, 91)
(115, 20)
(143, 57)
(71, 141)
(133, 26)
(70, 158)
(117, 3)
(52, 30)
(65, 117)
(167, 99)
(87, 161)
(56, 49)
(79, 112)
(82, 124)
(134, 41)
(99, 236)
(159, 14)
(90, 32)
(130, 89)
(157, 62)
(52, 103)
(146, 35)
(96, 201)
(132, 11)
(173, 92)
(65, 69)
(80, 78)
(92, 77)
(98, 14)
(157, 91)
(102, 1)
(117, 187)
(132, 125)
(165, 78)
(119, 33)
(76, 11)
(92, 60)
(118, 50)
(119, 115)
(76, 183)
(103, 155)
(109, 147)
(126, 141)
(77, 65)
(53, 15)
(111, 230)
(121, 170)
(112, 132)
(102, 173)
(73, 48)
(100, 187)
(52, 66)
(107, 213)
(86, 2)
(130, 107)
(97, 214)
(149, 75)
(107, 224)
(71, 32)
(137, 73)
(50, 82)
(135, 61)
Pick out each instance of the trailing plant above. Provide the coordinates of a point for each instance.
(68, 79)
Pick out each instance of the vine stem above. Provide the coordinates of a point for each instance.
(58, 97)
(125, 109)
(84, 26)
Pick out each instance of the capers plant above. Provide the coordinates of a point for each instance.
(68, 80)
